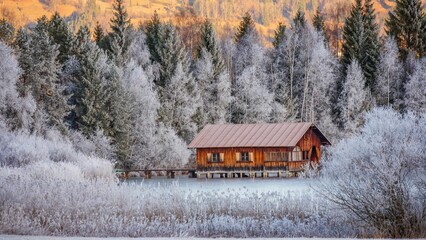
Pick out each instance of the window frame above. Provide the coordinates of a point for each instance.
(284, 156)
(296, 154)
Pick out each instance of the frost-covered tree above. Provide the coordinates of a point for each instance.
(279, 34)
(389, 88)
(355, 99)
(177, 89)
(180, 103)
(360, 41)
(318, 21)
(7, 31)
(320, 83)
(61, 35)
(215, 89)
(153, 36)
(120, 38)
(252, 100)
(246, 26)
(210, 43)
(23, 43)
(15, 111)
(151, 145)
(378, 176)
(90, 113)
(415, 98)
(249, 63)
(43, 76)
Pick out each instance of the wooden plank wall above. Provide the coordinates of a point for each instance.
(308, 140)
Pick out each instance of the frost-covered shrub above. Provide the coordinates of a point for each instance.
(96, 145)
(378, 175)
(53, 205)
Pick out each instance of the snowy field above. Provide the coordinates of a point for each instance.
(260, 185)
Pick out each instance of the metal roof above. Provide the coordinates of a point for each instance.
(253, 135)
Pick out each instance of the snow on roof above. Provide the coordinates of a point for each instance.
(253, 135)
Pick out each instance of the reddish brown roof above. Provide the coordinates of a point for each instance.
(253, 135)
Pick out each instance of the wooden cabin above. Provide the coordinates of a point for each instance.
(237, 150)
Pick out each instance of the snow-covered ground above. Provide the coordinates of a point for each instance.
(260, 185)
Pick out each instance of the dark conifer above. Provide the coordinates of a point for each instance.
(153, 38)
(279, 35)
(60, 34)
(210, 43)
(318, 21)
(407, 23)
(7, 31)
(246, 26)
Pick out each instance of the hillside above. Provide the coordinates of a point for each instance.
(225, 13)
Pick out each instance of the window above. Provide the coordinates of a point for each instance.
(276, 156)
(245, 156)
(215, 157)
(296, 154)
(305, 155)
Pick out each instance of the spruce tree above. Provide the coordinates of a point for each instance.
(23, 44)
(120, 21)
(354, 37)
(61, 35)
(153, 38)
(318, 21)
(7, 32)
(279, 35)
(407, 23)
(210, 43)
(372, 44)
(299, 20)
(46, 87)
(119, 39)
(99, 36)
(246, 26)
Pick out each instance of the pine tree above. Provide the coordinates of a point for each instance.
(46, 87)
(7, 32)
(372, 44)
(120, 22)
(279, 35)
(318, 21)
(246, 26)
(23, 43)
(99, 36)
(170, 52)
(119, 39)
(210, 43)
(153, 38)
(120, 118)
(178, 91)
(299, 20)
(354, 38)
(61, 35)
(407, 23)
(90, 93)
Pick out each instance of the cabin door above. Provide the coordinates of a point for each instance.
(314, 154)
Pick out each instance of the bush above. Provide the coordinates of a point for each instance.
(379, 175)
